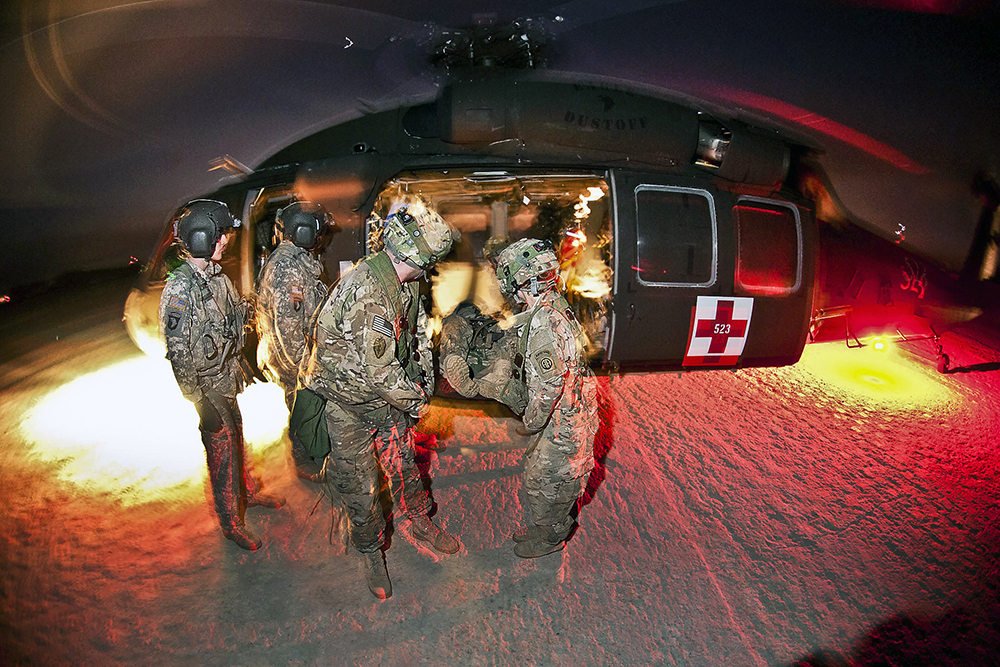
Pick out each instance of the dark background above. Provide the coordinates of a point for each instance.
(112, 111)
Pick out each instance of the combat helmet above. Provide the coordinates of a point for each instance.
(418, 236)
(303, 223)
(527, 263)
(201, 224)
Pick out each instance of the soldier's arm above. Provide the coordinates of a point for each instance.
(291, 317)
(375, 337)
(424, 349)
(175, 319)
(545, 368)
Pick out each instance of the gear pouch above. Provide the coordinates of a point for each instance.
(307, 423)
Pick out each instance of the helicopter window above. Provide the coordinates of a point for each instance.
(769, 260)
(570, 209)
(676, 236)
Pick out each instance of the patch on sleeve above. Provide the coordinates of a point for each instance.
(296, 292)
(381, 349)
(177, 302)
(545, 360)
(383, 327)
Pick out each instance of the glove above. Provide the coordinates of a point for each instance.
(211, 421)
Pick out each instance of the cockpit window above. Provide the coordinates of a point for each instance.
(676, 236)
(572, 210)
(769, 235)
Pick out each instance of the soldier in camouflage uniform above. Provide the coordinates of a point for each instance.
(561, 411)
(203, 321)
(372, 362)
(289, 290)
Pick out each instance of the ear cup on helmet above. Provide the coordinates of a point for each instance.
(201, 242)
(201, 224)
(302, 223)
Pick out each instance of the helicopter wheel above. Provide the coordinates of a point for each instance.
(942, 364)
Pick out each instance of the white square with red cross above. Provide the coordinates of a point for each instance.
(718, 332)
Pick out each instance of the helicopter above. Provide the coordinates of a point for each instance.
(684, 242)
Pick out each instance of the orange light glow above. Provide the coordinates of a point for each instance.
(127, 431)
(890, 377)
(593, 282)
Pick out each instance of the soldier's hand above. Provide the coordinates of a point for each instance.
(248, 309)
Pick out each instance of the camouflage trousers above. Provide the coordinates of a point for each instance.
(557, 463)
(229, 470)
(359, 454)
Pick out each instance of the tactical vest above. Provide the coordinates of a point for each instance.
(407, 353)
(515, 392)
(214, 341)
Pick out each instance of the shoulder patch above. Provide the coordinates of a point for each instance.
(296, 291)
(177, 303)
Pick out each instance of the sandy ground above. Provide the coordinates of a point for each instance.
(832, 513)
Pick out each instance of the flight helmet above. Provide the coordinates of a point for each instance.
(201, 224)
(527, 264)
(418, 236)
(303, 223)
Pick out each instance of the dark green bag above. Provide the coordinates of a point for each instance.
(307, 423)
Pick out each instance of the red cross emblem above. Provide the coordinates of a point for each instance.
(719, 328)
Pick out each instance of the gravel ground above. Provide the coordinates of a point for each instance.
(843, 511)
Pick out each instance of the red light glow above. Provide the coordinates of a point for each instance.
(819, 123)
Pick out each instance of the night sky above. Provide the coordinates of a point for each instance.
(113, 110)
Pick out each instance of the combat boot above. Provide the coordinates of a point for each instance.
(423, 529)
(532, 532)
(376, 575)
(243, 538)
(546, 541)
(272, 500)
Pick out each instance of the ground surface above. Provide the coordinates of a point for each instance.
(843, 511)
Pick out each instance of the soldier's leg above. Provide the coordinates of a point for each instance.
(549, 492)
(352, 476)
(223, 457)
(408, 490)
(251, 491)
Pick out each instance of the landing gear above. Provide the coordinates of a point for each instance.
(942, 359)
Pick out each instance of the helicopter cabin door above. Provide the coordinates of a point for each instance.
(706, 277)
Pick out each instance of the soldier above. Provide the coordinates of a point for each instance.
(289, 291)
(561, 412)
(372, 363)
(203, 322)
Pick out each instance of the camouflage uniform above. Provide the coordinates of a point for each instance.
(562, 408)
(202, 320)
(373, 364)
(288, 293)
